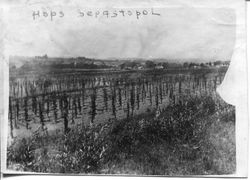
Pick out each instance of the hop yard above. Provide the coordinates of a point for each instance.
(155, 123)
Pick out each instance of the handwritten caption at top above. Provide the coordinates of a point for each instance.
(137, 14)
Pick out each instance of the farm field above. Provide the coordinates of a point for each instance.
(150, 122)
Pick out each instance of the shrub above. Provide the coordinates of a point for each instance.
(83, 149)
(21, 152)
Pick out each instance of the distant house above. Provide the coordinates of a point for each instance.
(99, 63)
(159, 67)
(212, 64)
(42, 57)
(194, 65)
(140, 67)
(128, 68)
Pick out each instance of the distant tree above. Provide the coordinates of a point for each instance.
(193, 64)
(202, 64)
(131, 64)
(122, 66)
(13, 67)
(227, 62)
(217, 63)
(45, 56)
(150, 64)
(185, 64)
(165, 65)
(175, 65)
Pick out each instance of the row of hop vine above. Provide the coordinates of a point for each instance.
(68, 97)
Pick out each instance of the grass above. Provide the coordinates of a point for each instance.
(195, 137)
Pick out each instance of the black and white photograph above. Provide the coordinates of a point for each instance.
(122, 89)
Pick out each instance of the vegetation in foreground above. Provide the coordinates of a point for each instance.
(195, 136)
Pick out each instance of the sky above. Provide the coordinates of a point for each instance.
(177, 33)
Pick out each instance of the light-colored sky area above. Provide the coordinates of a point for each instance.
(178, 33)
